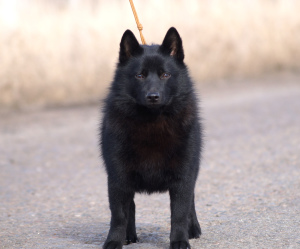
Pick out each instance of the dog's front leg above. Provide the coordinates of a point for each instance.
(181, 196)
(119, 202)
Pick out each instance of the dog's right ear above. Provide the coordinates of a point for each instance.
(129, 47)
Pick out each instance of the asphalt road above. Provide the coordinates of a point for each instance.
(53, 187)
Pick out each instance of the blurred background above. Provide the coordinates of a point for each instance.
(64, 52)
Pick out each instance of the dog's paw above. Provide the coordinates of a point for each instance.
(112, 245)
(194, 231)
(180, 245)
(131, 239)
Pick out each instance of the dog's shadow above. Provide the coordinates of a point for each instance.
(149, 236)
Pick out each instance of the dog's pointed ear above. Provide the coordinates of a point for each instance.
(172, 45)
(129, 47)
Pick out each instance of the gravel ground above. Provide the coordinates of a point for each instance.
(53, 190)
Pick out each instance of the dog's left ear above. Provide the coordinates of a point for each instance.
(172, 45)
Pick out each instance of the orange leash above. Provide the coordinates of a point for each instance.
(139, 25)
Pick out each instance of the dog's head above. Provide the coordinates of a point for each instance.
(152, 75)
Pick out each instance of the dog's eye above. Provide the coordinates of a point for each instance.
(140, 76)
(165, 76)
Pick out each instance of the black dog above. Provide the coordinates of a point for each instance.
(151, 137)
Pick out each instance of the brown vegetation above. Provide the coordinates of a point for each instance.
(66, 55)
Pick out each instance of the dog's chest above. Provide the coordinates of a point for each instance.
(154, 144)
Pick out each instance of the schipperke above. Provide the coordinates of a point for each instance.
(151, 137)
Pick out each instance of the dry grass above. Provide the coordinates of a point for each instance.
(51, 55)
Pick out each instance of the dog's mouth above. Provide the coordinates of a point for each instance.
(154, 104)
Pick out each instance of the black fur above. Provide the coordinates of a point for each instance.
(151, 137)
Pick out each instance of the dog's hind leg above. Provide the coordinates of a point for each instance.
(194, 227)
(131, 236)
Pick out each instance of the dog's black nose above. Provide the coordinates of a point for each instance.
(152, 97)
